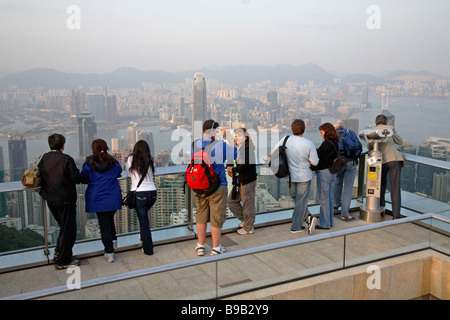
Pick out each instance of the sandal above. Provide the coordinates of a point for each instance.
(347, 218)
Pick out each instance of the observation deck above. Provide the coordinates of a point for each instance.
(412, 254)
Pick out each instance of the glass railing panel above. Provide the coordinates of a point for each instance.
(440, 233)
(374, 245)
(21, 223)
(252, 271)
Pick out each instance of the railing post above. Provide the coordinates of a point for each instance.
(361, 177)
(190, 200)
(44, 216)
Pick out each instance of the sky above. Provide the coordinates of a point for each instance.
(342, 36)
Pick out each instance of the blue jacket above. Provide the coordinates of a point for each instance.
(103, 192)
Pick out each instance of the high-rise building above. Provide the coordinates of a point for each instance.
(365, 95)
(87, 131)
(75, 103)
(147, 136)
(111, 109)
(18, 160)
(351, 124)
(199, 112)
(132, 136)
(3, 207)
(96, 104)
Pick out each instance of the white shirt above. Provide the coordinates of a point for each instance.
(146, 185)
(301, 153)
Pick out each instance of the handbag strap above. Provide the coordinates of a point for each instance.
(337, 152)
(142, 179)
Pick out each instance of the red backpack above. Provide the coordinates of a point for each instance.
(200, 175)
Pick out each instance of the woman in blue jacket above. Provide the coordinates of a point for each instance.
(103, 194)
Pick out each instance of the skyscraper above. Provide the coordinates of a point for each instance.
(87, 130)
(199, 113)
(18, 160)
(147, 135)
(111, 109)
(96, 103)
(3, 207)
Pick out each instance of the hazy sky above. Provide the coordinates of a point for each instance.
(179, 35)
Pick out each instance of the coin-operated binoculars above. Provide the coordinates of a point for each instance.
(372, 211)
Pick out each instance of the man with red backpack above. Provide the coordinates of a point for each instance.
(210, 202)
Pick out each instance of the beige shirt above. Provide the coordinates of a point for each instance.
(388, 147)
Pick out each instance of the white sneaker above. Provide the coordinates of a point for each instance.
(242, 231)
(217, 251)
(200, 250)
(110, 257)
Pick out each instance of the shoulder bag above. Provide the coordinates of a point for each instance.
(130, 199)
(338, 162)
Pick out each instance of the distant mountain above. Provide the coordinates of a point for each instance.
(277, 74)
(413, 76)
(128, 77)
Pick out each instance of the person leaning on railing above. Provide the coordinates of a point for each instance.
(59, 176)
(241, 200)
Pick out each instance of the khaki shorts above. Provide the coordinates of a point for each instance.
(212, 208)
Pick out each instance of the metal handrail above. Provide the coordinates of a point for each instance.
(227, 256)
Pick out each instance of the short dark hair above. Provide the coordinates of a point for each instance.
(381, 119)
(56, 141)
(210, 125)
(298, 127)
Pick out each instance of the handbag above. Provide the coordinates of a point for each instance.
(338, 162)
(31, 177)
(130, 199)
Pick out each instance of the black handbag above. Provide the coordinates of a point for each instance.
(130, 199)
(338, 162)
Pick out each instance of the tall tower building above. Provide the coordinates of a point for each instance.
(132, 136)
(351, 124)
(3, 207)
(96, 103)
(147, 135)
(18, 160)
(87, 131)
(111, 109)
(199, 113)
(75, 103)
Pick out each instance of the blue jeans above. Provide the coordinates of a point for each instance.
(144, 201)
(300, 193)
(345, 179)
(325, 183)
(107, 229)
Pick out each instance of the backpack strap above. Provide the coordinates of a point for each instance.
(284, 147)
(285, 140)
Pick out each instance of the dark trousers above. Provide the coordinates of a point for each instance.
(144, 201)
(392, 168)
(65, 215)
(107, 229)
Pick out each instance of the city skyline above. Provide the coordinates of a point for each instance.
(343, 37)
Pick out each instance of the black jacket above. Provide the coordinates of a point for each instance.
(59, 176)
(327, 152)
(245, 164)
